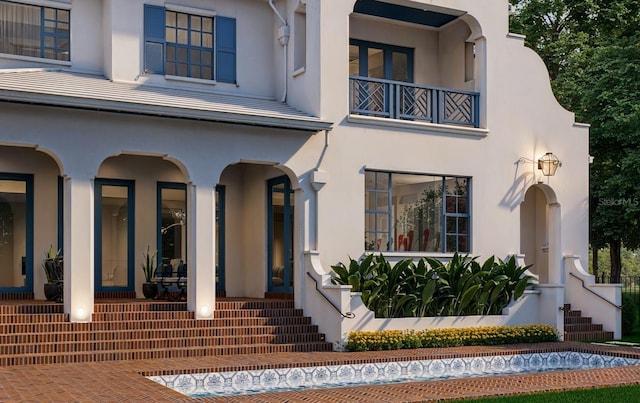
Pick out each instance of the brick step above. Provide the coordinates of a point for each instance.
(150, 325)
(150, 315)
(157, 344)
(34, 318)
(588, 336)
(52, 308)
(583, 327)
(128, 334)
(34, 333)
(75, 357)
(575, 320)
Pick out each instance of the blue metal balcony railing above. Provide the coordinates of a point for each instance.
(407, 101)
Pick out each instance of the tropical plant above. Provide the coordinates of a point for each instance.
(52, 265)
(149, 264)
(460, 287)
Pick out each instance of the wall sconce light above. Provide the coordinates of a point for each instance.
(549, 163)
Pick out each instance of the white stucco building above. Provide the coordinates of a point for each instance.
(261, 141)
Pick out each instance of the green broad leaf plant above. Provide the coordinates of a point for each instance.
(430, 287)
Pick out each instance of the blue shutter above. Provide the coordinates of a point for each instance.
(154, 38)
(226, 49)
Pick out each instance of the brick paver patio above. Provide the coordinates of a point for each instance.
(123, 381)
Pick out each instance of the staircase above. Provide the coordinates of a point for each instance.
(580, 328)
(32, 333)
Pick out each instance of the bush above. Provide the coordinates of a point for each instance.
(450, 337)
(429, 287)
(629, 313)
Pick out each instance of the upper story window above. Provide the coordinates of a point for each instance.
(376, 60)
(413, 212)
(36, 31)
(184, 44)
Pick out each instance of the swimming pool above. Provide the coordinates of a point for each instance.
(287, 379)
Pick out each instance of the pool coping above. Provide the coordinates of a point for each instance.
(120, 381)
(298, 360)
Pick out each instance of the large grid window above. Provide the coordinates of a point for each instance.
(190, 45)
(36, 31)
(412, 212)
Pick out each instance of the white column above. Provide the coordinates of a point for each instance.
(78, 248)
(201, 264)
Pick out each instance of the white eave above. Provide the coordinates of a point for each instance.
(94, 92)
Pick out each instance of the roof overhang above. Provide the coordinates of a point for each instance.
(426, 16)
(91, 92)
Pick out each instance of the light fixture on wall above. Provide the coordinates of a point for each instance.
(178, 216)
(549, 163)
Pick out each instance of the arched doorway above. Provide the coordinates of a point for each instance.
(540, 232)
(257, 233)
(140, 203)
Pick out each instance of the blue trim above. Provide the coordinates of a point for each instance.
(288, 236)
(61, 215)
(131, 204)
(154, 39)
(29, 198)
(403, 13)
(221, 244)
(159, 187)
(225, 50)
(388, 51)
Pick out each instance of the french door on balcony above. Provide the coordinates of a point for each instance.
(382, 65)
(376, 60)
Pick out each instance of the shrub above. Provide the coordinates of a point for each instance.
(629, 313)
(450, 337)
(430, 287)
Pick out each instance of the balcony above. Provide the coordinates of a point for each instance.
(406, 101)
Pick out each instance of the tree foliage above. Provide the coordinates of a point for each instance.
(592, 51)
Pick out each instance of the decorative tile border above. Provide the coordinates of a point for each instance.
(269, 380)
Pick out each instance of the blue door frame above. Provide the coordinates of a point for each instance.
(287, 235)
(160, 186)
(220, 240)
(28, 259)
(129, 184)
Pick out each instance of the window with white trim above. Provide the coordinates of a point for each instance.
(35, 31)
(184, 44)
(416, 212)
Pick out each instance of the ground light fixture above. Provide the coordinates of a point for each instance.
(549, 163)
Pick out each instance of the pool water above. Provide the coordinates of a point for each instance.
(331, 376)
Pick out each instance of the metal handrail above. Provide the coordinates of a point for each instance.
(348, 315)
(595, 293)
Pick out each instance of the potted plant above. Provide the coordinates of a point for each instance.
(54, 270)
(149, 266)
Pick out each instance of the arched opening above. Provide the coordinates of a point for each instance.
(258, 241)
(139, 201)
(539, 234)
(29, 226)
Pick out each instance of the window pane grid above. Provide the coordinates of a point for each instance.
(36, 31)
(56, 34)
(415, 212)
(189, 45)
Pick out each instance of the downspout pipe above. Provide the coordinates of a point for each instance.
(283, 38)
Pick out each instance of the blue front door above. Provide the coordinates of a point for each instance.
(280, 235)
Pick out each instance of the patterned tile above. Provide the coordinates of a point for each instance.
(269, 380)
